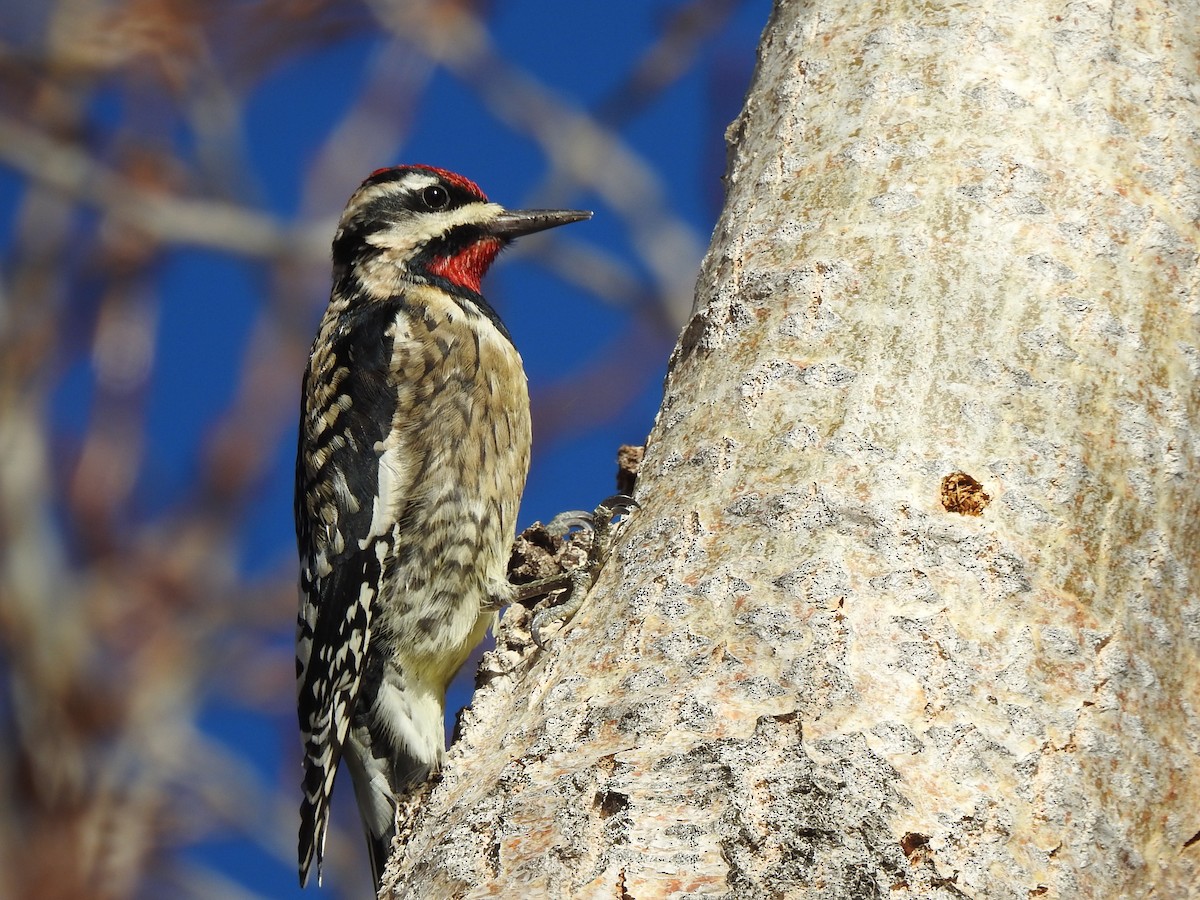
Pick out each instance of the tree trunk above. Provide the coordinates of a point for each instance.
(910, 608)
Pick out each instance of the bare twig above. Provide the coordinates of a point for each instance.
(166, 219)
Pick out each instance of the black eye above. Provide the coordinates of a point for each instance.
(435, 197)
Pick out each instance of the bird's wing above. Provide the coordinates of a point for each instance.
(350, 477)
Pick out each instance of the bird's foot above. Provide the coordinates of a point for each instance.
(575, 583)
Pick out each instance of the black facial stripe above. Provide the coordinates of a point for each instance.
(448, 180)
(383, 213)
(413, 199)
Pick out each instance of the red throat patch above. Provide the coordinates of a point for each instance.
(467, 267)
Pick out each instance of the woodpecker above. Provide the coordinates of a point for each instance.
(413, 452)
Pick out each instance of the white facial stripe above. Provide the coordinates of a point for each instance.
(414, 181)
(421, 229)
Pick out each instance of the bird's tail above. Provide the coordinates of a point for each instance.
(322, 750)
(319, 774)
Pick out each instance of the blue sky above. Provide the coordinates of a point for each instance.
(210, 301)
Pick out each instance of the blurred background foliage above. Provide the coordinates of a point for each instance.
(170, 176)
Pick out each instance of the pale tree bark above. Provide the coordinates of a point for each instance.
(910, 608)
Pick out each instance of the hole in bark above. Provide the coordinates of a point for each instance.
(1194, 839)
(912, 842)
(610, 803)
(964, 495)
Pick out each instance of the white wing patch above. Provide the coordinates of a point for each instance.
(396, 463)
(395, 479)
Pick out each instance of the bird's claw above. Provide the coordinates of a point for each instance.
(561, 524)
(615, 506)
(576, 583)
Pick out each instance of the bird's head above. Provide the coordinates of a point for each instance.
(427, 224)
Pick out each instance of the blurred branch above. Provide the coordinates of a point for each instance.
(169, 220)
(667, 60)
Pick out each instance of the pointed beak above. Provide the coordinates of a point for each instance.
(513, 223)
